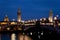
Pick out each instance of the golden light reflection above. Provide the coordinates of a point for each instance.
(4, 23)
(13, 36)
(24, 37)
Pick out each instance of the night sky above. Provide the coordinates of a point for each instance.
(30, 9)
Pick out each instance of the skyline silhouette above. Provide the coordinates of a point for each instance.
(30, 9)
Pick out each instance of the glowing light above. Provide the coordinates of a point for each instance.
(24, 37)
(39, 37)
(19, 20)
(40, 19)
(28, 20)
(57, 15)
(50, 19)
(55, 18)
(42, 33)
(44, 19)
(4, 23)
(36, 19)
(58, 24)
(30, 33)
(23, 21)
(13, 23)
(13, 37)
(19, 28)
(8, 28)
(13, 19)
(42, 23)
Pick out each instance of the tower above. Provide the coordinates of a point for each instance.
(6, 18)
(50, 16)
(19, 15)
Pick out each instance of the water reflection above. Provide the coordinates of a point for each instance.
(24, 37)
(5, 36)
(14, 37)
(0, 36)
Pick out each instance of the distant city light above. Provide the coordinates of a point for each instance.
(30, 33)
(13, 23)
(44, 19)
(39, 36)
(8, 28)
(55, 18)
(41, 19)
(13, 19)
(36, 19)
(23, 33)
(50, 19)
(57, 15)
(41, 33)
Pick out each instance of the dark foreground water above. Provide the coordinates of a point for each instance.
(9, 37)
(5, 37)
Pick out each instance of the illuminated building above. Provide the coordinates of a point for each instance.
(6, 18)
(19, 15)
(50, 16)
(33, 28)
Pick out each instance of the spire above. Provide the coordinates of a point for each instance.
(19, 10)
(50, 16)
(51, 13)
(19, 15)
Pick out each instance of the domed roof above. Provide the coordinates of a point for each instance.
(6, 18)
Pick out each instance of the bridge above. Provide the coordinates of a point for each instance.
(44, 28)
(25, 27)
